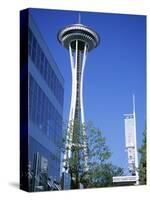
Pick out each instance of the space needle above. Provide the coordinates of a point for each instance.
(79, 40)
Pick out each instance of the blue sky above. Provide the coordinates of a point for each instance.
(114, 71)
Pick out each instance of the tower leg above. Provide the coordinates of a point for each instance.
(76, 143)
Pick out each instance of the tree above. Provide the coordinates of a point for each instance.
(100, 175)
(142, 165)
(100, 170)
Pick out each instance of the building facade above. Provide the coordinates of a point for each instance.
(45, 106)
(45, 102)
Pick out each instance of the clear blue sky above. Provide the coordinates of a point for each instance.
(114, 71)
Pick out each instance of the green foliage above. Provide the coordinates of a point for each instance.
(100, 175)
(97, 148)
(100, 170)
(142, 165)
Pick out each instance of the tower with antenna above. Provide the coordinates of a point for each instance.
(79, 40)
(131, 143)
(131, 147)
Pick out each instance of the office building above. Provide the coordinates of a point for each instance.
(43, 84)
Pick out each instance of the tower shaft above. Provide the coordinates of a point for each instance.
(79, 40)
(76, 132)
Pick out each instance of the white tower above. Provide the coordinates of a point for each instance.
(131, 143)
(79, 40)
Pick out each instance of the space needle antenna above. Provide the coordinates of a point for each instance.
(133, 103)
(79, 18)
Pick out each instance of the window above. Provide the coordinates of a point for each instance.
(42, 113)
(45, 69)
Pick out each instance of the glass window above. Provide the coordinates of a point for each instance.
(44, 67)
(38, 53)
(33, 54)
(30, 35)
(46, 70)
(29, 50)
(34, 42)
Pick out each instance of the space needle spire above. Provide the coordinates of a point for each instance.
(135, 142)
(79, 18)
